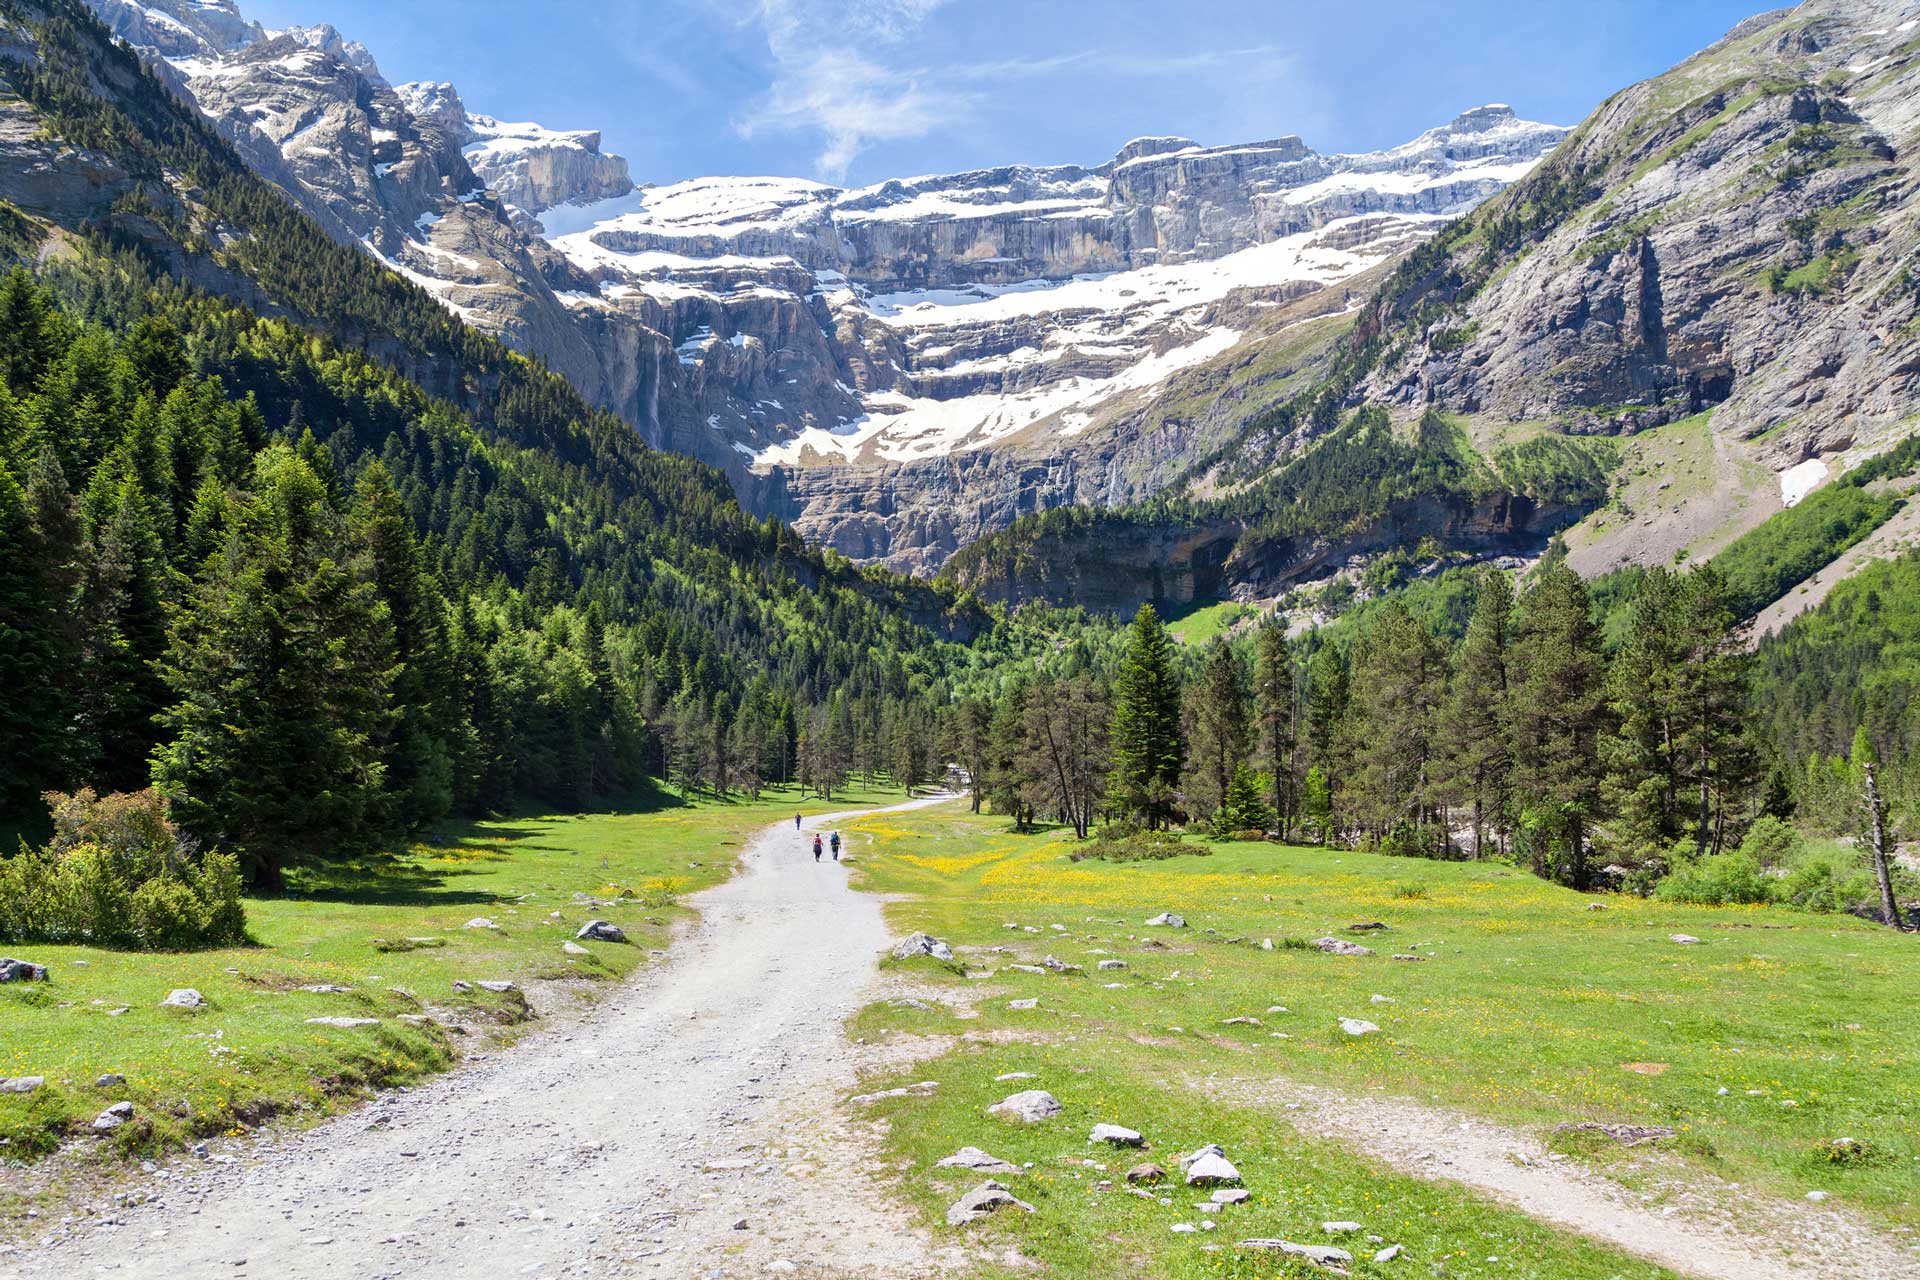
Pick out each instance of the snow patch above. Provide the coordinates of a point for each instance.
(1796, 482)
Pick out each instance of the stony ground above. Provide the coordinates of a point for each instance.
(690, 1126)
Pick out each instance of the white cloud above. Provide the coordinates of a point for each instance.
(851, 99)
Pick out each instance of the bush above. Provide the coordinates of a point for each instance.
(1772, 844)
(1136, 846)
(117, 874)
(1718, 880)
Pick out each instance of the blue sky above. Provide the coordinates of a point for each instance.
(858, 90)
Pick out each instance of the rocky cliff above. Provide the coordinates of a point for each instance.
(898, 368)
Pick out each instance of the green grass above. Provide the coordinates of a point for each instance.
(1207, 620)
(1528, 1010)
(250, 1053)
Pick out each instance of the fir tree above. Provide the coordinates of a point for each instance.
(1474, 730)
(1147, 751)
(1220, 730)
(1557, 711)
(1274, 697)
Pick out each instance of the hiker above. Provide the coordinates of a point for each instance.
(816, 846)
(836, 846)
(796, 822)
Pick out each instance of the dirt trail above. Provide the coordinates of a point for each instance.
(1693, 1223)
(625, 1142)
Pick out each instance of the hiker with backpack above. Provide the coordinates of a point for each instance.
(816, 846)
(836, 846)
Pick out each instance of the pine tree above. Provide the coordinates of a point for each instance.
(1219, 730)
(1396, 682)
(1274, 697)
(1145, 734)
(281, 665)
(1557, 712)
(1474, 732)
(1245, 807)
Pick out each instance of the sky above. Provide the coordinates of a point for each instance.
(855, 91)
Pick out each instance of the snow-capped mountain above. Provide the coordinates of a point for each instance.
(897, 368)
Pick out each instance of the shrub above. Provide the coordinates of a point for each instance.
(1244, 813)
(1771, 843)
(117, 874)
(1717, 880)
(1410, 891)
(1136, 846)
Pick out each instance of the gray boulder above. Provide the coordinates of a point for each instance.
(1357, 1026)
(184, 998)
(1209, 1167)
(988, 1197)
(12, 970)
(1113, 964)
(1030, 1107)
(601, 931)
(574, 949)
(1341, 947)
(1168, 920)
(498, 986)
(920, 944)
(1324, 1255)
(1117, 1135)
(21, 1084)
(113, 1117)
(111, 1080)
(976, 1159)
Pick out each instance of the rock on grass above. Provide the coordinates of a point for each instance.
(984, 1199)
(1030, 1107)
(976, 1159)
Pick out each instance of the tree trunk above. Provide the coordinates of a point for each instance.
(1877, 839)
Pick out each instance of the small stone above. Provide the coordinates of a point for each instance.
(1059, 966)
(1357, 1026)
(184, 998)
(739, 1224)
(326, 988)
(984, 1199)
(1816, 1196)
(1030, 1107)
(920, 1090)
(1032, 1003)
(498, 986)
(480, 922)
(1229, 1195)
(1241, 1022)
(1415, 959)
(1339, 1228)
(601, 931)
(781, 1267)
(21, 1084)
(113, 1117)
(1324, 1255)
(920, 944)
(1684, 939)
(111, 1080)
(1117, 1135)
(1183, 1228)
(1387, 1254)
(976, 1159)
(1112, 964)
(574, 949)
(1149, 1173)
(1014, 1075)
(343, 1022)
(1168, 920)
(1341, 947)
(1209, 1167)
(1379, 999)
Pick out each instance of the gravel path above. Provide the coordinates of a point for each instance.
(626, 1142)
(1691, 1222)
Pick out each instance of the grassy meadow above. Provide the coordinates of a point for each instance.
(1778, 1033)
(250, 1053)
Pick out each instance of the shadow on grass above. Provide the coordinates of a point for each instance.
(387, 881)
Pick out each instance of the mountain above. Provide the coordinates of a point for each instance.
(894, 369)
(1698, 310)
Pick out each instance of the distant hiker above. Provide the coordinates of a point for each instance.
(796, 822)
(836, 846)
(816, 846)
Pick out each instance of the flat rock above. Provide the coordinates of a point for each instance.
(1324, 1255)
(920, 1090)
(1032, 1003)
(1014, 1075)
(1370, 926)
(1168, 920)
(1684, 939)
(113, 1117)
(326, 988)
(989, 1197)
(1241, 1022)
(573, 948)
(479, 922)
(1025, 968)
(907, 1002)
(1416, 959)
(1113, 964)
(1340, 1228)
(12, 970)
(1059, 966)
(1379, 999)
(1357, 1026)
(1117, 1135)
(601, 931)
(976, 1159)
(343, 1022)
(1029, 1107)
(921, 944)
(184, 998)
(1387, 1254)
(1229, 1195)
(110, 1080)
(1341, 947)
(21, 1084)
(1148, 1173)
(499, 986)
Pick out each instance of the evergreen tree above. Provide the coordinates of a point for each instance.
(1147, 751)
(1245, 807)
(1326, 709)
(1397, 681)
(1219, 730)
(281, 665)
(1557, 711)
(1278, 712)
(1474, 731)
